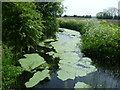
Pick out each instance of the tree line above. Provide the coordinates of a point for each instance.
(84, 16)
(110, 13)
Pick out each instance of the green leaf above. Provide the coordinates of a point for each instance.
(31, 61)
(66, 47)
(37, 77)
(81, 85)
(49, 40)
(64, 75)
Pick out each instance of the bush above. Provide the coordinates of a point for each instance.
(51, 27)
(9, 76)
(10, 73)
(22, 26)
(49, 12)
(101, 43)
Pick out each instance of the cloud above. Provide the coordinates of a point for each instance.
(88, 7)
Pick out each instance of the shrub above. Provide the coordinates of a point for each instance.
(9, 76)
(22, 25)
(49, 12)
(51, 27)
(101, 43)
(10, 73)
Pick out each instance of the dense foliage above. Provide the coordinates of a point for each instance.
(25, 25)
(22, 27)
(10, 72)
(49, 12)
(71, 24)
(101, 43)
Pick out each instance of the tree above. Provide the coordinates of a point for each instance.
(99, 15)
(22, 25)
(74, 15)
(50, 11)
(65, 16)
(112, 11)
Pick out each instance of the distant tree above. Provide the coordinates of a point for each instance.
(65, 16)
(109, 13)
(99, 15)
(104, 15)
(88, 16)
(113, 11)
(116, 17)
(74, 15)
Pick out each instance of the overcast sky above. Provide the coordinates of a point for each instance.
(88, 7)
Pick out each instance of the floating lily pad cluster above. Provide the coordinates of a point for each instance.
(71, 65)
(31, 62)
(81, 85)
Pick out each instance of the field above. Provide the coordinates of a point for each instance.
(75, 18)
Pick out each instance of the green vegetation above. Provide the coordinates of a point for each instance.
(34, 62)
(49, 11)
(38, 76)
(100, 41)
(31, 61)
(25, 26)
(71, 24)
(30, 47)
(81, 85)
(22, 26)
(102, 44)
(81, 26)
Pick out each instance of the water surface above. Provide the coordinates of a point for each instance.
(74, 68)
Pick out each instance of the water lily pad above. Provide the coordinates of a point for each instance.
(81, 85)
(64, 75)
(31, 61)
(70, 32)
(37, 77)
(70, 64)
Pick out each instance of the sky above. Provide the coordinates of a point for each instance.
(88, 7)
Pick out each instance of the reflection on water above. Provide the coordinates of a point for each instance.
(98, 79)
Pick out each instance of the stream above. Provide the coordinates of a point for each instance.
(76, 71)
